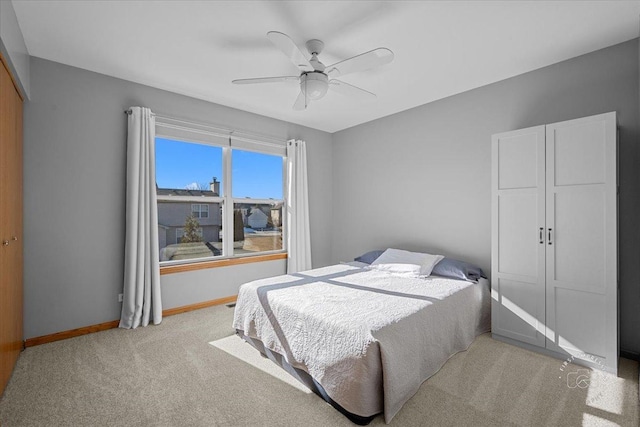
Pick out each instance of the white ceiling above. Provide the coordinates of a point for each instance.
(441, 48)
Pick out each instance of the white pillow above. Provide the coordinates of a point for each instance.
(408, 270)
(406, 263)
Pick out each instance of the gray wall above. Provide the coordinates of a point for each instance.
(420, 179)
(74, 194)
(13, 47)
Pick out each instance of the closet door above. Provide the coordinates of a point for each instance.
(582, 251)
(10, 226)
(518, 238)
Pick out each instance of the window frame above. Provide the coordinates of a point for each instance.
(197, 135)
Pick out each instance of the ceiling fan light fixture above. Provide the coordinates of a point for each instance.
(314, 85)
(314, 75)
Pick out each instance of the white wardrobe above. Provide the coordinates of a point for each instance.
(554, 262)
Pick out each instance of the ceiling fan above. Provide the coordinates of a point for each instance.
(315, 78)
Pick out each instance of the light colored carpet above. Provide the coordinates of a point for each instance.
(191, 371)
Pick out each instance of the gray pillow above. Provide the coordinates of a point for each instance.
(369, 257)
(456, 269)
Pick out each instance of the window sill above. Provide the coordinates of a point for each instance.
(181, 268)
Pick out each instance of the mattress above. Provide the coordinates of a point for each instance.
(367, 337)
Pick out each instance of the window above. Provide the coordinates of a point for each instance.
(188, 173)
(200, 211)
(257, 202)
(217, 201)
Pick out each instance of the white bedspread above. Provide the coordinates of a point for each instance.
(368, 337)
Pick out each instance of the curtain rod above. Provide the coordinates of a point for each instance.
(260, 139)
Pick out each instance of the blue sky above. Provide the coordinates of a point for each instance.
(181, 165)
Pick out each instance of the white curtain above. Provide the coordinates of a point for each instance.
(298, 234)
(141, 294)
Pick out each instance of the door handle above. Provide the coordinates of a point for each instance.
(541, 235)
(550, 237)
(5, 243)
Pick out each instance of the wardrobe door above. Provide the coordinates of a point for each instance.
(582, 249)
(518, 238)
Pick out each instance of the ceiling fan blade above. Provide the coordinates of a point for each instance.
(350, 90)
(289, 48)
(302, 102)
(364, 61)
(295, 79)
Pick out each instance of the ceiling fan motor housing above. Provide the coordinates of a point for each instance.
(314, 84)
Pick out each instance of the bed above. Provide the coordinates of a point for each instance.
(362, 338)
